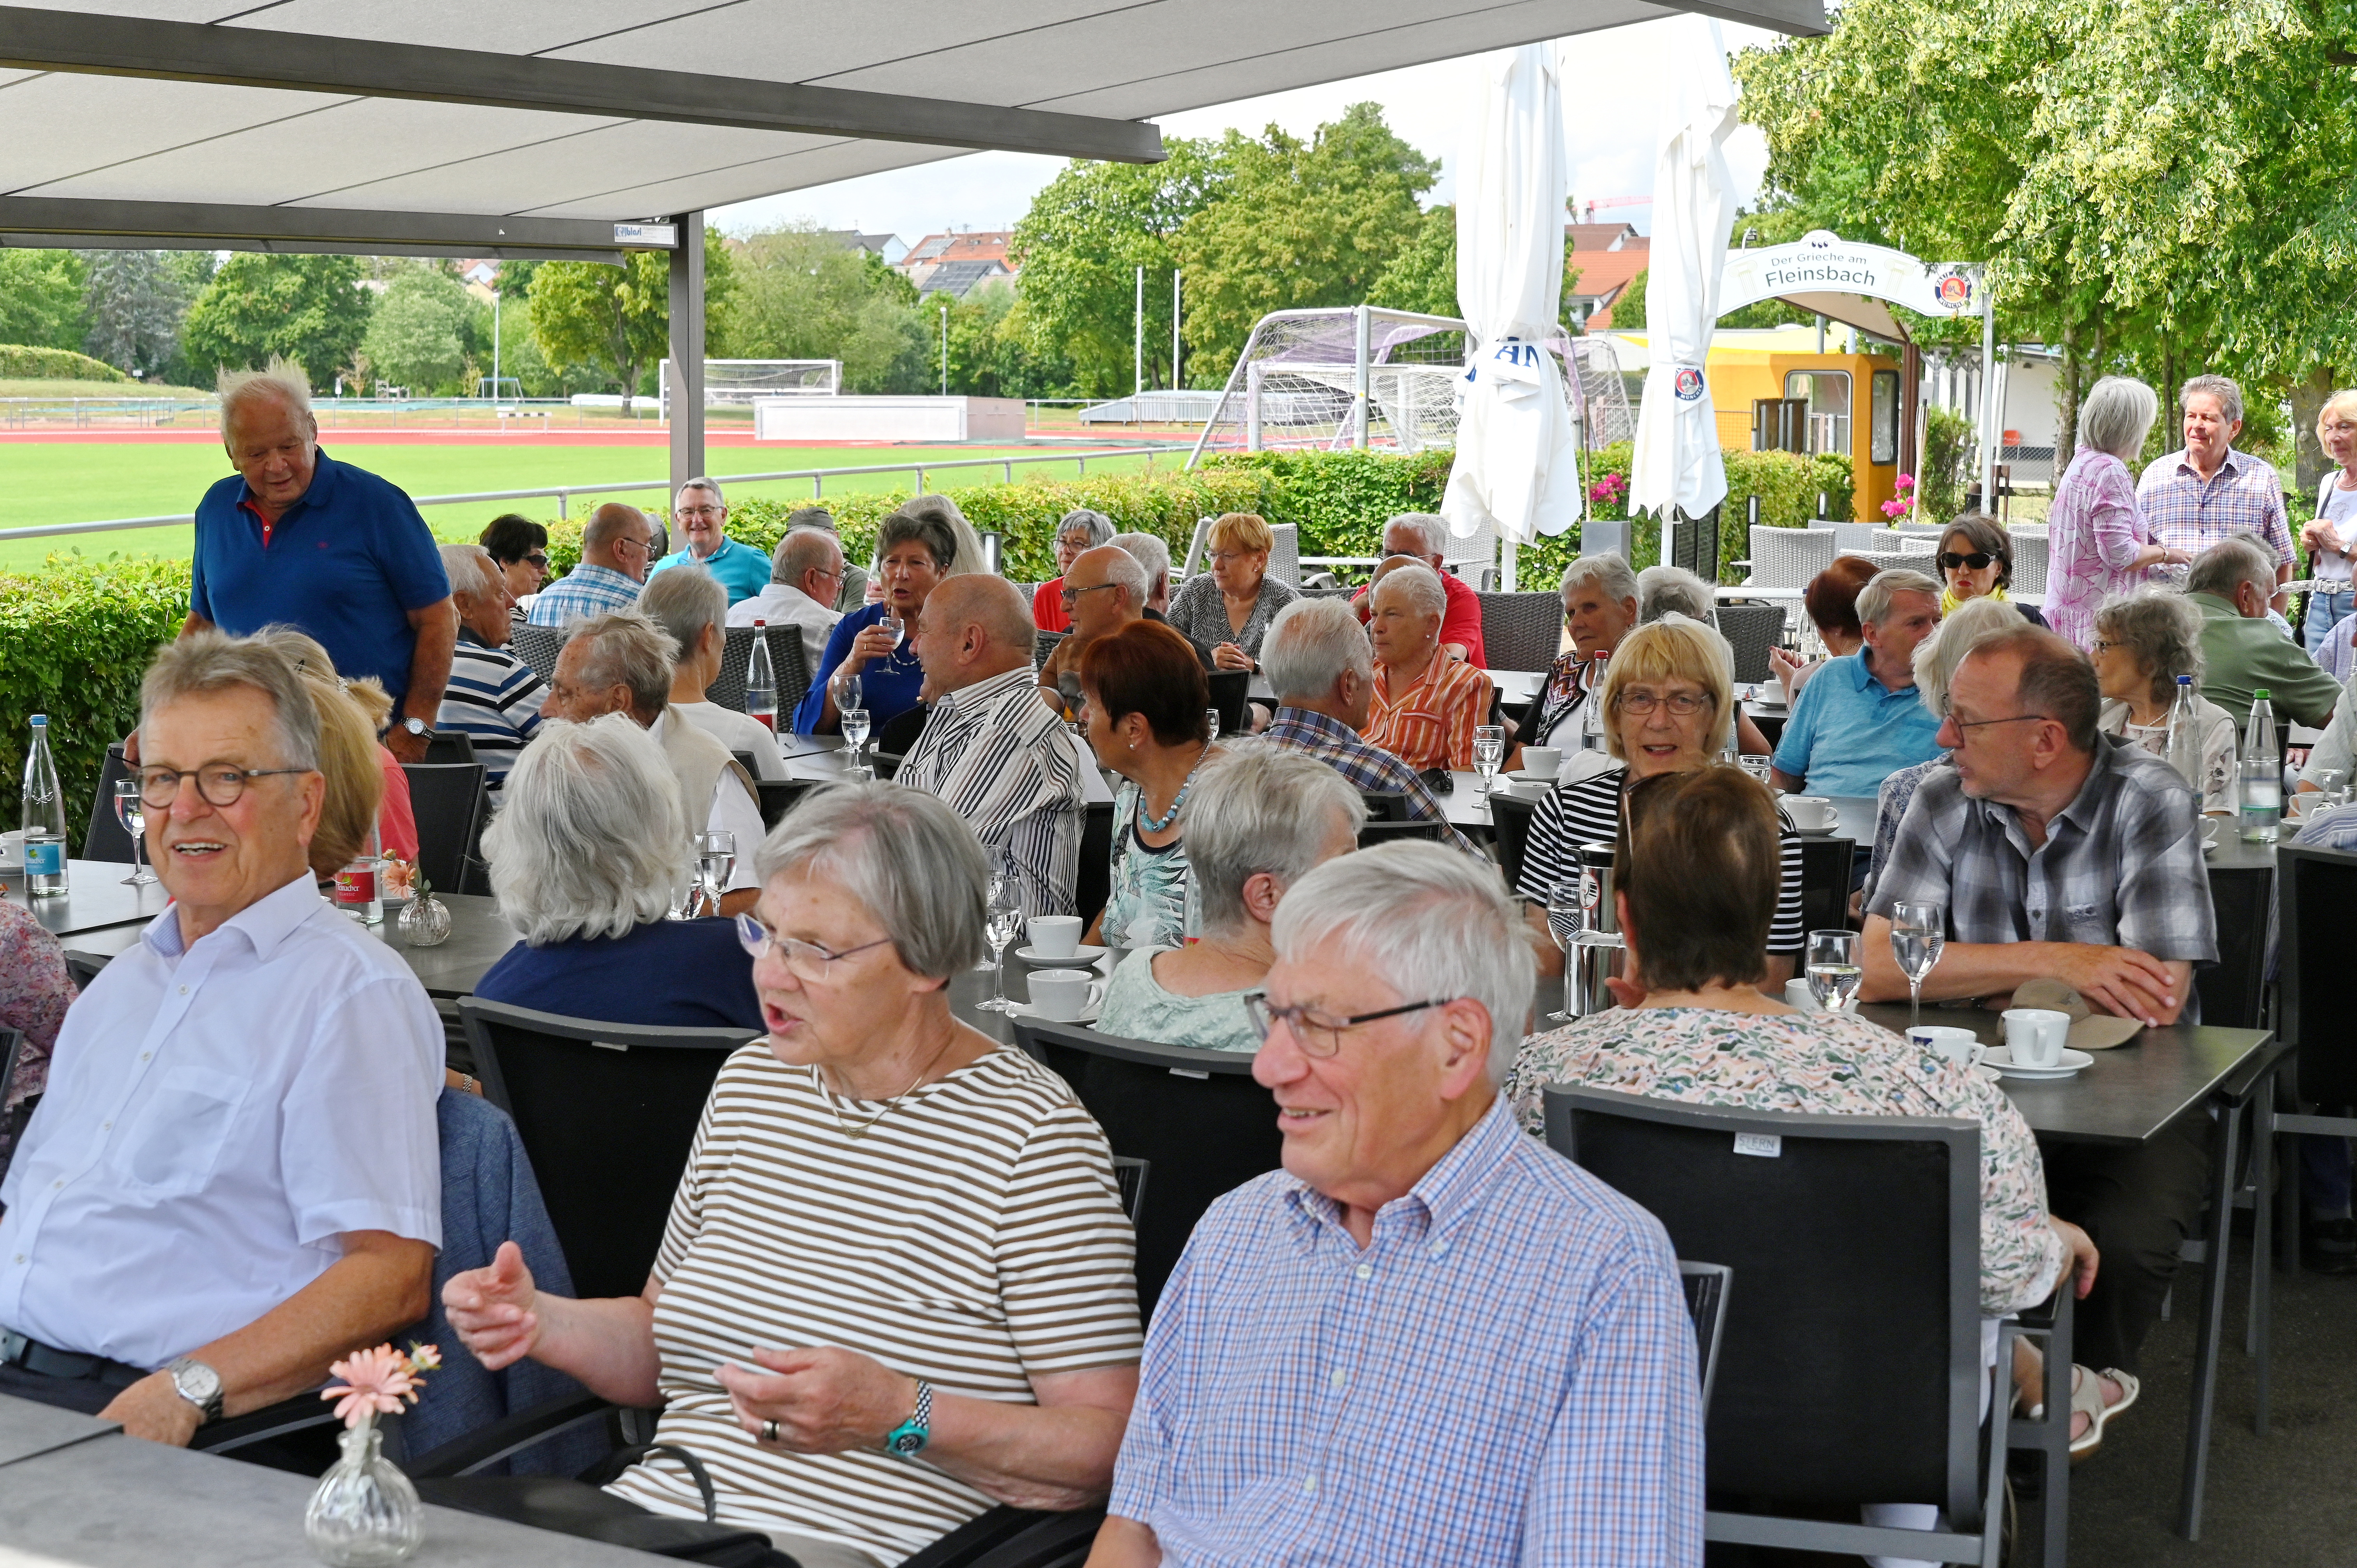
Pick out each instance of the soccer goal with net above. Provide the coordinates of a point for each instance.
(736, 382)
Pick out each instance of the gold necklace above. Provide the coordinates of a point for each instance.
(827, 1095)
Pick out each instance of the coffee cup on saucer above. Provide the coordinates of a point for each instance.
(1810, 813)
(1054, 936)
(1065, 996)
(1541, 761)
(2036, 1036)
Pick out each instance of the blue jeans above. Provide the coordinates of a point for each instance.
(2325, 611)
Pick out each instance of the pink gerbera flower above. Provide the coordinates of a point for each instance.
(375, 1382)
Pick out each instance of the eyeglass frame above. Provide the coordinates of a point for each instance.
(1263, 1017)
(759, 947)
(1621, 703)
(243, 776)
(1948, 716)
(1069, 596)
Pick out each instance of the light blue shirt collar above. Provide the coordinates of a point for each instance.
(264, 923)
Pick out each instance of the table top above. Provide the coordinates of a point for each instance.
(95, 897)
(479, 937)
(28, 1428)
(198, 1511)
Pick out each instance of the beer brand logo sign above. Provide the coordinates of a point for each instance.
(1689, 383)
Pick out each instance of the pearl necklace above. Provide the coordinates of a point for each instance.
(1158, 825)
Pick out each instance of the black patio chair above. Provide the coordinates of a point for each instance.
(447, 798)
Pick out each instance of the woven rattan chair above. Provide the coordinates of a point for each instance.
(1522, 631)
(788, 660)
(1790, 557)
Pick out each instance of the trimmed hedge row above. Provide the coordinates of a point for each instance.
(19, 362)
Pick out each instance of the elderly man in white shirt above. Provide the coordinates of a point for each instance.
(621, 663)
(234, 1176)
(805, 576)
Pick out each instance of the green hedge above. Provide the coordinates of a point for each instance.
(76, 639)
(19, 362)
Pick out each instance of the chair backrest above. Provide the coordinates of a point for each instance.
(1284, 554)
(2030, 552)
(745, 760)
(1790, 557)
(1469, 554)
(1195, 1116)
(1373, 834)
(1857, 1240)
(447, 800)
(1853, 536)
(886, 764)
(12, 1045)
(1094, 886)
(537, 646)
(1195, 548)
(1825, 881)
(107, 838)
(1892, 560)
(2314, 889)
(1912, 543)
(1232, 695)
(1509, 818)
(1883, 539)
(450, 745)
(606, 1112)
(1706, 1286)
(788, 660)
(994, 551)
(1385, 808)
(1522, 630)
(1750, 631)
(779, 795)
(1043, 644)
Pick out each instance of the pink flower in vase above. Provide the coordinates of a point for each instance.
(375, 1382)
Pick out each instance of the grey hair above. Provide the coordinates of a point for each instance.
(1095, 524)
(1153, 554)
(1874, 599)
(2117, 416)
(1310, 645)
(801, 551)
(810, 516)
(204, 662)
(1431, 531)
(684, 600)
(1673, 590)
(591, 839)
(626, 648)
(1609, 572)
(457, 559)
(965, 544)
(699, 483)
(2161, 630)
(1426, 921)
(1122, 567)
(1260, 808)
(2222, 387)
(939, 539)
(905, 856)
(2228, 563)
(1420, 582)
(281, 381)
(1970, 624)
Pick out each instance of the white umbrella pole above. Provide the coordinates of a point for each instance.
(1990, 413)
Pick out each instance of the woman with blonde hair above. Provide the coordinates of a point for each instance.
(2098, 543)
(2330, 541)
(366, 787)
(1228, 608)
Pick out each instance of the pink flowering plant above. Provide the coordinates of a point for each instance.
(1905, 500)
(376, 1382)
(1610, 490)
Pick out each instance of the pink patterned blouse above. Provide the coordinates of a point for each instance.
(34, 991)
(2094, 535)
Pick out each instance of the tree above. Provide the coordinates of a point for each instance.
(415, 339)
(989, 348)
(1422, 276)
(804, 294)
(308, 309)
(40, 298)
(618, 318)
(133, 302)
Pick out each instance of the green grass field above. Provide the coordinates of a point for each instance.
(74, 482)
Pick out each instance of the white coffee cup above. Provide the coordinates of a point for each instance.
(1798, 995)
(1809, 811)
(1055, 936)
(1958, 1046)
(12, 848)
(1064, 994)
(1541, 761)
(2036, 1035)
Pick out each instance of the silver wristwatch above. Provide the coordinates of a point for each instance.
(199, 1385)
(417, 728)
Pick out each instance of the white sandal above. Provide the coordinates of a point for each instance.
(2087, 1395)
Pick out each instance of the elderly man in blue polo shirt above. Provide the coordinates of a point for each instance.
(703, 518)
(1861, 719)
(297, 538)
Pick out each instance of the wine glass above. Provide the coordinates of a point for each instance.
(1489, 750)
(715, 863)
(844, 689)
(131, 812)
(1566, 914)
(1836, 971)
(1001, 923)
(1918, 932)
(854, 736)
(1212, 717)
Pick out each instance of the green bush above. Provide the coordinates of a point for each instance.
(18, 361)
(1947, 454)
(79, 638)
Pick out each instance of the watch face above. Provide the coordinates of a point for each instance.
(907, 1443)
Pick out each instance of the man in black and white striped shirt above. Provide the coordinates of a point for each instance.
(993, 751)
(493, 697)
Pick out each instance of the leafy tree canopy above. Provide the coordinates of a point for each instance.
(414, 340)
(133, 305)
(309, 309)
(40, 298)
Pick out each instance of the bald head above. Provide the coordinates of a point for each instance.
(972, 627)
(619, 536)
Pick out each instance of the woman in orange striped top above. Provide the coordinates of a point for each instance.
(1426, 703)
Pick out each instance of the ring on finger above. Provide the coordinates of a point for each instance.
(768, 1431)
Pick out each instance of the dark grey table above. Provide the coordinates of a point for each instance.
(120, 1503)
(479, 937)
(792, 745)
(28, 1428)
(95, 898)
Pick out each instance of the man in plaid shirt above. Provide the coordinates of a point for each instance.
(2207, 492)
(2061, 852)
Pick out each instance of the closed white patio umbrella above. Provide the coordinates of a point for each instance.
(1677, 461)
(1517, 467)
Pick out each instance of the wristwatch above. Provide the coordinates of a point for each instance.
(199, 1385)
(418, 727)
(908, 1439)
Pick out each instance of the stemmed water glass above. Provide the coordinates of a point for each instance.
(131, 812)
(854, 734)
(1834, 968)
(1001, 923)
(1212, 717)
(1918, 932)
(1489, 750)
(715, 863)
(1566, 914)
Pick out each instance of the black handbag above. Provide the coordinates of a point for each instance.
(581, 1507)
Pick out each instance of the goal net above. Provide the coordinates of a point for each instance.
(736, 382)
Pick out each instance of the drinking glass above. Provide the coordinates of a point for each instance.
(1001, 923)
(2332, 784)
(1918, 932)
(1489, 750)
(854, 736)
(1564, 916)
(844, 689)
(1836, 971)
(715, 863)
(131, 812)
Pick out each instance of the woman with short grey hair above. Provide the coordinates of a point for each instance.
(1674, 590)
(588, 854)
(2143, 643)
(895, 1234)
(1081, 529)
(1262, 817)
(1599, 608)
(2098, 543)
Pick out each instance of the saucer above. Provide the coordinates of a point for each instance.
(1986, 1073)
(1524, 776)
(1828, 830)
(1081, 957)
(1026, 1010)
(2001, 1059)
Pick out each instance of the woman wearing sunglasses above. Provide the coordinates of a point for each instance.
(1975, 562)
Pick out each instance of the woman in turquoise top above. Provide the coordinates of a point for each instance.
(1260, 819)
(1144, 705)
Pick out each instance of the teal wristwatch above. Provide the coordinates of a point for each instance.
(908, 1439)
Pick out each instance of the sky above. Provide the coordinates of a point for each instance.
(1609, 124)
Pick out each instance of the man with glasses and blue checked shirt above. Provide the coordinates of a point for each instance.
(1429, 1339)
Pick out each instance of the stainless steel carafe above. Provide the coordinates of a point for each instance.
(1597, 950)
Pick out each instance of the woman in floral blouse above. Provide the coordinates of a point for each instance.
(1696, 878)
(34, 991)
(2097, 542)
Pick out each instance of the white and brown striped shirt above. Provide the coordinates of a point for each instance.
(1000, 758)
(973, 1237)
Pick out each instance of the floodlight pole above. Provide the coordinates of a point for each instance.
(1175, 382)
(946, 348)
(495, 348)
(683, 376)
(1137, 346)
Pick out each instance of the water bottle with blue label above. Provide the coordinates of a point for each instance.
(45, 818)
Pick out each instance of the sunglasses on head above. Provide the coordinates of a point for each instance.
(1949, 560)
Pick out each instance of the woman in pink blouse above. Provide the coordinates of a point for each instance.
(2098, 544)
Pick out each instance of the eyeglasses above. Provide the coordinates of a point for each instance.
(537, 560)
(808, 961)
(1949, 560)
(1684, 705)
(1319, 1036)
(1222, 557)
(2103, 645)
(1948, 714)
(699, 511)
(218, 785)
(1072, 596)
(644, 546)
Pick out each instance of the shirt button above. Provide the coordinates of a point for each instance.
(1366, 1271)
(106, 1126)
(1339, 1379)
(1437, 1249)
(144, 1054)
(184, 991)
(20, 1257)
(1308, 1486)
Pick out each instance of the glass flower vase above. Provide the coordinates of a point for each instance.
(426, 922)
(365, 1513)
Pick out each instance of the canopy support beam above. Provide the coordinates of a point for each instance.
(685, 368)
(55, 222)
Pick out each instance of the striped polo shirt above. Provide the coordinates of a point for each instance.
(972, 1236)
(494, 699)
